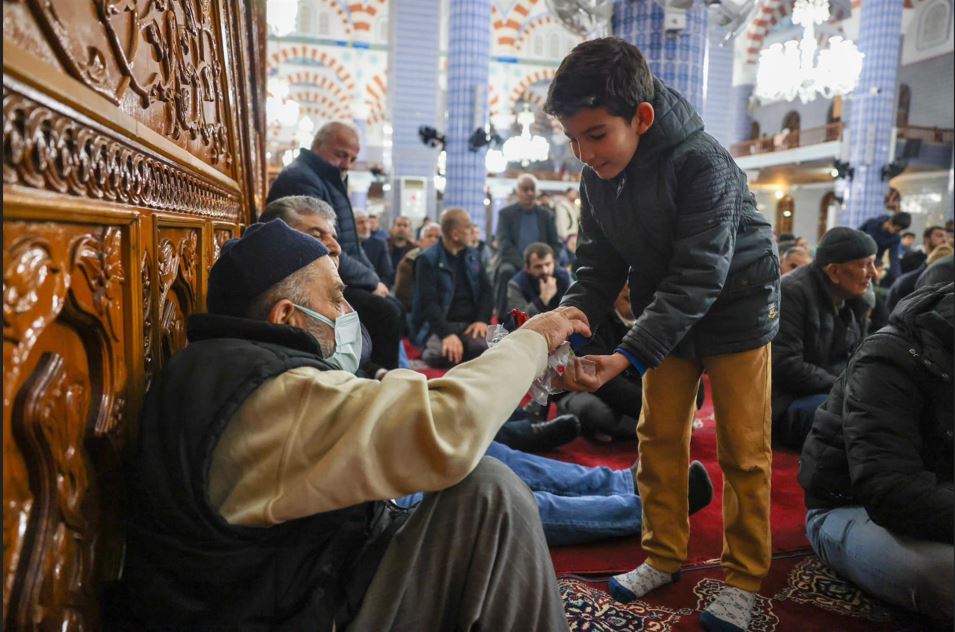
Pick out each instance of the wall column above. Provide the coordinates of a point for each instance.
(676, 59)
(469, 48)
(413, 87)
(872, 109)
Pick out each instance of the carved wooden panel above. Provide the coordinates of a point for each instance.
(164, 62)
(64, 403)
(132, 150)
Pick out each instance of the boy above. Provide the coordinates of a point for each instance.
(665, 206)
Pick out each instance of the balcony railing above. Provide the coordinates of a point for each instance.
(792, 140)
(938, 135)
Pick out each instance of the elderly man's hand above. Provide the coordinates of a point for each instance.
(452, 348)
(557, 326)
(381, 290)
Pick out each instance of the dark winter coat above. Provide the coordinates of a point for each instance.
(185, 566)
(883, 438)
(377, 252)
(434, 290)
(509, 232)
(814, 342)
(524, 292)
(313, 176)
(680, 222)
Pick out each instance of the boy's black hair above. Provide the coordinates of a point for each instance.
(902, 219)
(601, 73)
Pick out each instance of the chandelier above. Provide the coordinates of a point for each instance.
(800, 69)
(526, 148)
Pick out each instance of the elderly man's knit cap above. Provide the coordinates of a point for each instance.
(841, 244)
(248, 266)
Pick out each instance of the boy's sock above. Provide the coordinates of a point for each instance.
(730, 611)
(638, 582)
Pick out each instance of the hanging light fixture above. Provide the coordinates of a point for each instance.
(799, 69)
(526, 148)
(280, 110)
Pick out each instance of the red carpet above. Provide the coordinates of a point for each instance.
(706, 526)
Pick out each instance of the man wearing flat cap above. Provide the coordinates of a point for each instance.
(823, 318)
(258, 483)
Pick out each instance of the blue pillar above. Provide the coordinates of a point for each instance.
(469, 47)
(677, 59)
(872, 109)
(742, 122)
(413, 89)
(717, 109)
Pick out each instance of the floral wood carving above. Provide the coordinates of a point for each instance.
(219, 237)
(147, 271)
(177, 262)
(101, 262)
(53, 583)
(45, 149)
(164, 51)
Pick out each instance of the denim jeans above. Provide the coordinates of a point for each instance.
(576, 503)
(914, 574)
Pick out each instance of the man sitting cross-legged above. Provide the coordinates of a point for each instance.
(452, 302)
(257, 483)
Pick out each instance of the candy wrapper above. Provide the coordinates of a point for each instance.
(561, 361)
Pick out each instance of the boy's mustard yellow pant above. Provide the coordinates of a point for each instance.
(740, 389)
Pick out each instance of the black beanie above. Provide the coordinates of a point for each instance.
(264, 255)
(841, 244)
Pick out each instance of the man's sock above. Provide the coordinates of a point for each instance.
(730, 611)
(638, 582)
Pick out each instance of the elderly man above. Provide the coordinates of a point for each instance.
(452, 304)
(381, 315)
(376, 249)
(932, 238)
(256, 493)
(518, 226)
(823, 318)
(540, 285)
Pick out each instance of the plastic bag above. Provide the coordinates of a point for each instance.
(559, 362)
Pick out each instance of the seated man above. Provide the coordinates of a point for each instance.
(823, 318)
(256, 491)
(404, 275)
(934, 248)
(452, 301)
(376, 249)
(400, 241)
(877, 465)
(539, 286)
(380, 313)
(792, 258)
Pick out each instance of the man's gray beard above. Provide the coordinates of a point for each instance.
(321, 333)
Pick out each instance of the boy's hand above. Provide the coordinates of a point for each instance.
(556, 327)
(606, 367)
(452, 348)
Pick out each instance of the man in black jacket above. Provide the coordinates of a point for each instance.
(518, 226)
(321, 172)
(877, 467)
(451, 305)
(256, 483)
(665, 205)
(376, 249)
(823, 319)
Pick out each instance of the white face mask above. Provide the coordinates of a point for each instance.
(347, 328)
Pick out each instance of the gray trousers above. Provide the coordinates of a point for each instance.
(471, 557)
(473, 347)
